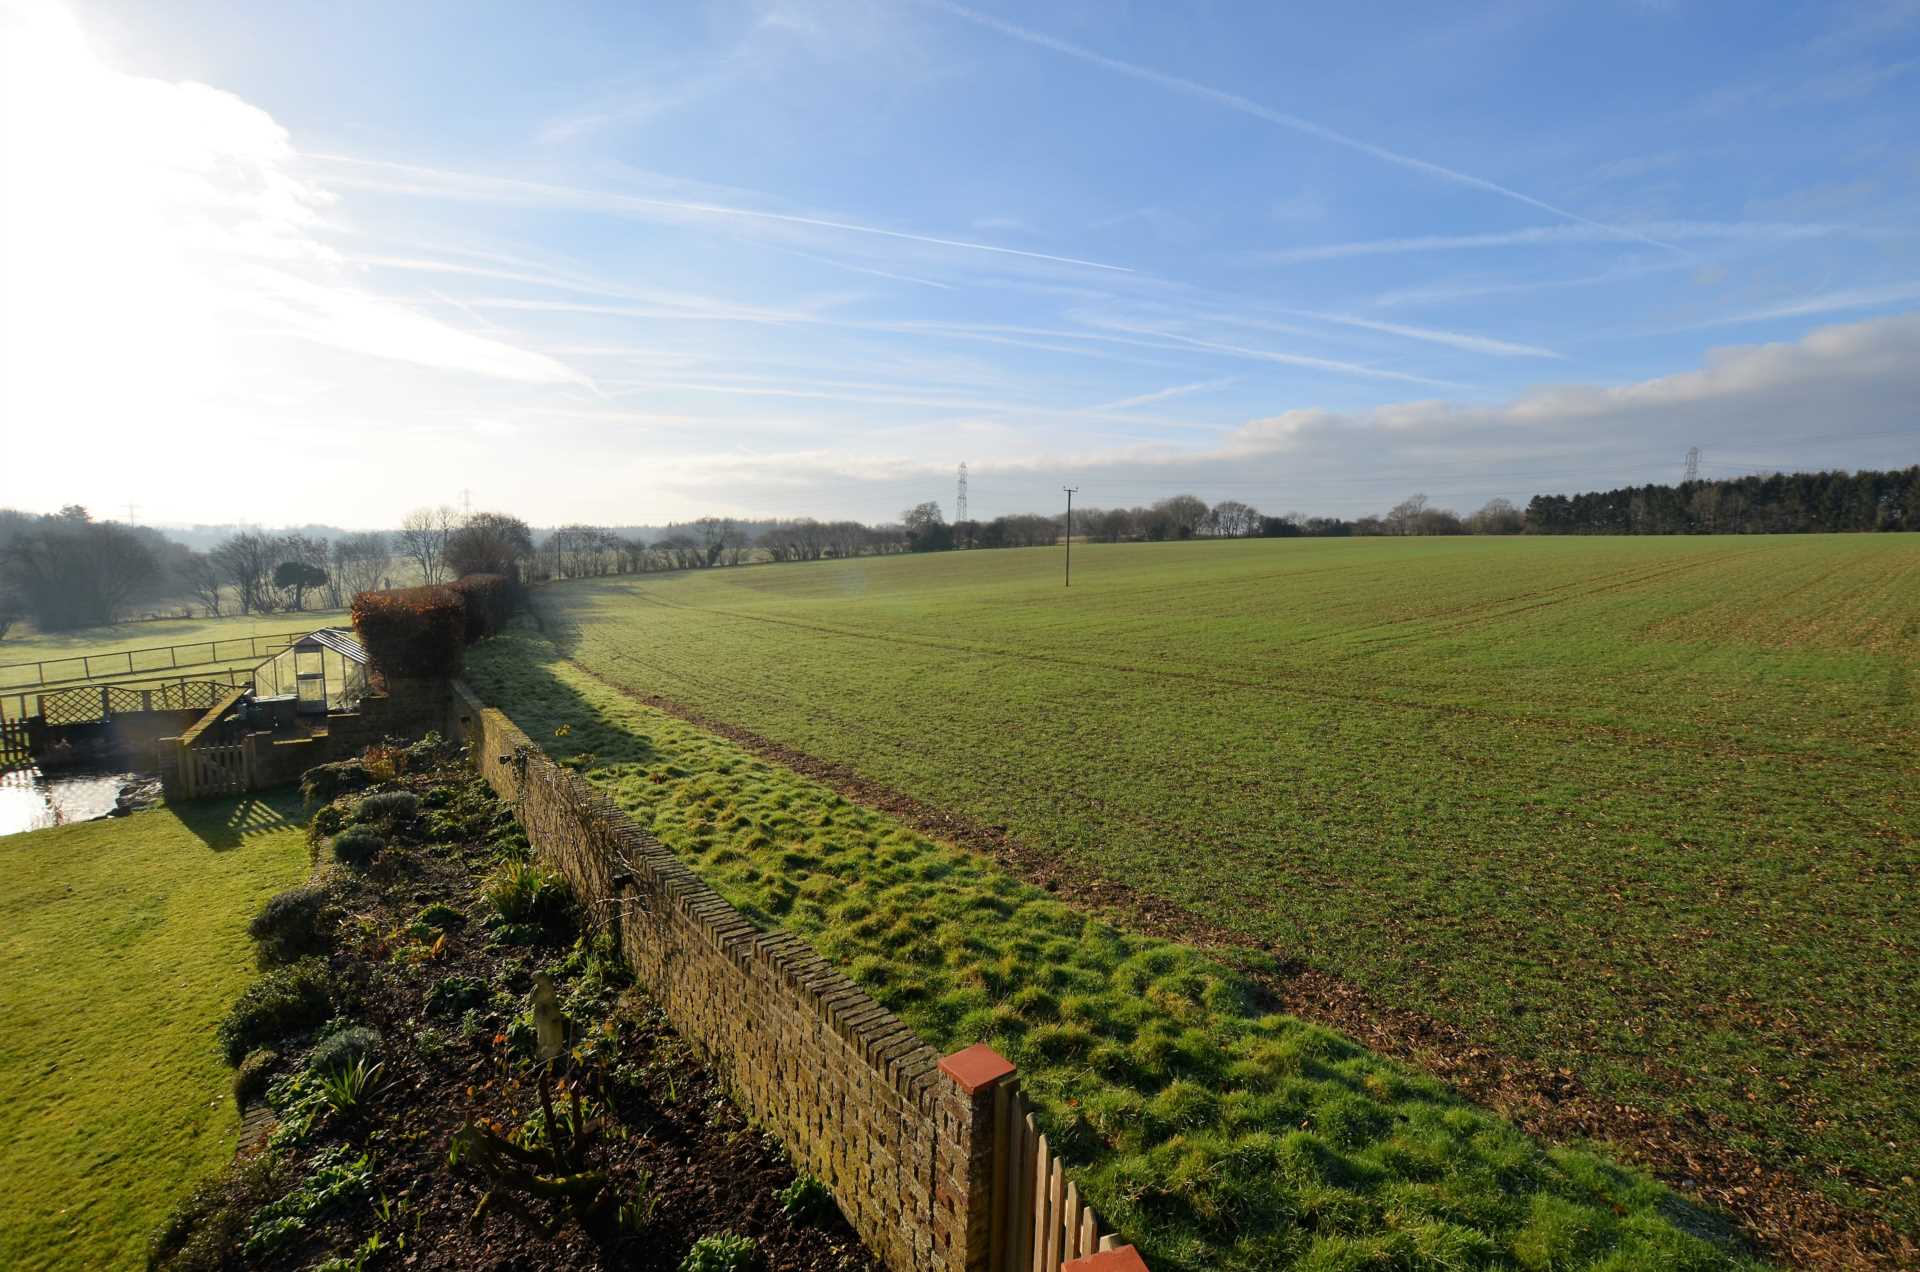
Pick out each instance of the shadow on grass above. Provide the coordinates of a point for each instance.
(224, 824)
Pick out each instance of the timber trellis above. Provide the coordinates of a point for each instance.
(1041, 1222)
(88, 704)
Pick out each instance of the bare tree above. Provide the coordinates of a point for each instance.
(1403, 517)
(1498, 516)
(423, 540)
(1183, 515)
(360, 562)
(247, 560)
(69, 570)
(201, 574)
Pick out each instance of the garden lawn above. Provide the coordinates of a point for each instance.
(1643, 809)
(1214, 1136)
(122, 944)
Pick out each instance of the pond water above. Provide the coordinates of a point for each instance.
(32, 800)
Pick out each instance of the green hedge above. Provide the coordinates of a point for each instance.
(413, 631)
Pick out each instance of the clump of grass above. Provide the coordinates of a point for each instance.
(291, 925)
(285, 1001)
(345, 1087)
(357, 846)
(1215, 1137)
(522, 893)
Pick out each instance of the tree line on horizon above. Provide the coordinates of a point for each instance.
(68, 570)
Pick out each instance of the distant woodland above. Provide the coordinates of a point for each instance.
(66, 569)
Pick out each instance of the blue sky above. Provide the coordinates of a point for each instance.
(632, 262)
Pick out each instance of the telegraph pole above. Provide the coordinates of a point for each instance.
(1070, 493)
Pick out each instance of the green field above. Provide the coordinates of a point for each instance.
(1644, 809)
(1216, 1135)
(122, 943)
(57, 656)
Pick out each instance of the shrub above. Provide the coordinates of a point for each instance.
(389, 807)
(204, 1230)
(722, 1252)
(805, 1199)
(413, 631)
(291, 925)
(521, 892)
(284, 1001)
(489, 599)
(326, 820)
(456, 994)
(326, 782)
(344, 1048)
(357, 845)
(250, 1079)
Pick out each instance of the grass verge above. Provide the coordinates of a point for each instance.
(122, 942)
(1214, 1135)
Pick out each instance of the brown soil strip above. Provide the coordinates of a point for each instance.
(1782, 1215)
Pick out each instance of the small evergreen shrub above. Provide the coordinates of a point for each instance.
(805, 1199)
(251, 1078)
(284, 1001)
(325, 821)
(721, 1252)
(344, 1048)
(291, 925)
(203, 1230)
(324, 783)
(455, 994)
(357, 845)
(388, 808)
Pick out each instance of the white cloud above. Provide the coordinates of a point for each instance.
(1841, 397)
(158, 247)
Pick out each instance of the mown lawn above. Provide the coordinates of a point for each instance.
(1217, 1138)
(122, 943)
(1644, 809)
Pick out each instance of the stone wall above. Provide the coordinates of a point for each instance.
(903, 1137)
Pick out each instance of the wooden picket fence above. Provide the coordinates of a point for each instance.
(14, 750)
(214, 770)
(1041, 1220)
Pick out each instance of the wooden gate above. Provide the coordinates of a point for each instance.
(214, 770)
(1040, 1221)
(14, 751)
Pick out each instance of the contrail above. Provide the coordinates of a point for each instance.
(1246, 106)
(505, 188)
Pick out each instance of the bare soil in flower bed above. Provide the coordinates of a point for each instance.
(412, 979)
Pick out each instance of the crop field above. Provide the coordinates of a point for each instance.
(1642, 810)
(1217, 1135)
(122, 943)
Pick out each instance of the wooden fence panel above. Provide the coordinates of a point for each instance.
(214, 770)
(14, 751)
(1040, 1219)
